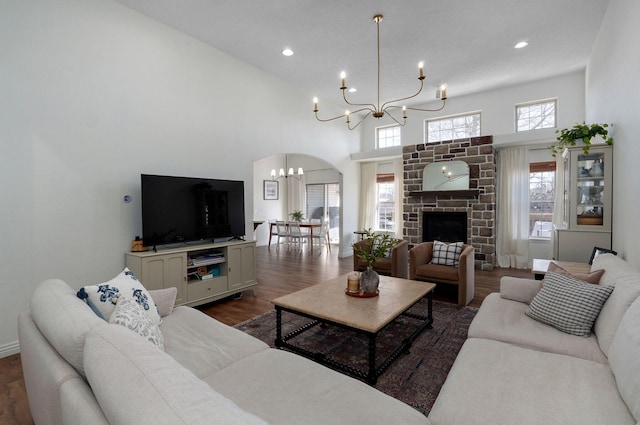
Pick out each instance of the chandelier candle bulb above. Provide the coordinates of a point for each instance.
(343, 77)
(404, 112)
(421, 68)
(315, 104)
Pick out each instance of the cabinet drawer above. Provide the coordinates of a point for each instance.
(206, 288)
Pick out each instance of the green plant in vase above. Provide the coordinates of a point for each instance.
(568, 137)
(376, 246)
(297, 215)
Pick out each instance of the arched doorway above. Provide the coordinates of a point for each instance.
(317, 193)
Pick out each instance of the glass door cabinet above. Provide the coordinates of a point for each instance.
(587, 206)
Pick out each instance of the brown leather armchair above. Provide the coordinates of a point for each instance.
(420, 268)
(396, 265)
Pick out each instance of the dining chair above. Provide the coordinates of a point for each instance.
(282, 231)
(321, 237)
(295, 234)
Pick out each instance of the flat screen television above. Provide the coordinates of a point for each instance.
(187, 209)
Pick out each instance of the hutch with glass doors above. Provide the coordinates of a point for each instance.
(587, 206)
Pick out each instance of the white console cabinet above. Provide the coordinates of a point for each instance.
(201, 273)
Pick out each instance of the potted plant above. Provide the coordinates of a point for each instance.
(297, 215)
(376, 246)
(569, 136)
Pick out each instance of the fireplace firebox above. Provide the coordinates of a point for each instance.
(444, 226)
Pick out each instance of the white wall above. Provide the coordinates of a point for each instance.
(94, 94)
(497, 108)
(613, 96)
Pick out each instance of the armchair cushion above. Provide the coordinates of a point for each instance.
(446, 254)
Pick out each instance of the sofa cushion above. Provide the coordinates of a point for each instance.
(568, 304)
(496, 383)
(624, 359)
(504, 320)
(102, 298)
(135, 383)
(131, 315)
(592, 277)
(626, 280)
(202, 344)
(285, 388)
(63, 319)
(446, 254)
(164, 299)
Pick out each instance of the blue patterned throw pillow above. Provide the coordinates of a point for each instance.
(130, 314)
(102, 298)
(446, 254)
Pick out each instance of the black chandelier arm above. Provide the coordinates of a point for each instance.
(444, 102)
(369, 106)
(385, 107)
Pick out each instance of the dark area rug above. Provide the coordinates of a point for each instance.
(415, 378)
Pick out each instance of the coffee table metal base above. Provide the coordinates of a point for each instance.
(371, 375)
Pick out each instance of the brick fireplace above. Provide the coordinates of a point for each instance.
(478, 202)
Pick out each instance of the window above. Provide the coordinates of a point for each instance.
(323, 202)
(542, 189)
(388, 136)
(385, 205)
(453, 127)
(536, 115)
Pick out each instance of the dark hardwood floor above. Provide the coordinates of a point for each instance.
(279, 272)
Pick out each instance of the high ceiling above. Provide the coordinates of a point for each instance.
(467, 44)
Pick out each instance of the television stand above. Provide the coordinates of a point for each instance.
(201, 273)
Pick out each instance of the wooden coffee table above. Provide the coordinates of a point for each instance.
(327, 303)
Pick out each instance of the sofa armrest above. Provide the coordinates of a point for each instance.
(519, 289)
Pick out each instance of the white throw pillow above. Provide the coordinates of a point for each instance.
(103, 298)
(131, 315)
(446, 254)
(569, 305)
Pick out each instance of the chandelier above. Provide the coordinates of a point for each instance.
(290, 173)
(380, 110)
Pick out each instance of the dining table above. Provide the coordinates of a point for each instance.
(303, 225)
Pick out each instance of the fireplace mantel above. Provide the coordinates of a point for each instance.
(471, 193)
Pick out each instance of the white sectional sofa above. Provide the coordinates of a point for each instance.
(81, 370)
(515, 370)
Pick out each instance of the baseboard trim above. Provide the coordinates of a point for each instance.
(9, 349)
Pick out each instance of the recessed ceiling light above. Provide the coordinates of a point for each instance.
(287, 52)
(521, 45)
(352, 90)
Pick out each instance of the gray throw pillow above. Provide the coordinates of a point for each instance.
(568, 304)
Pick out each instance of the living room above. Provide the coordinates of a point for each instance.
(97, 94)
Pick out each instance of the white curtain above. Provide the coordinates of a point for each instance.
(398, 190)
(512, 235)
(367, 219)
(558, 201)
(297, 195)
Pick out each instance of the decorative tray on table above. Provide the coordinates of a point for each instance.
(360, 294)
